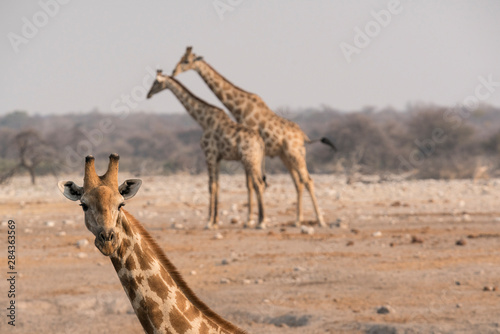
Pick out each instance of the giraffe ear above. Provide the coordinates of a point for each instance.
(129, 188)
(70, 190)
(198, 58)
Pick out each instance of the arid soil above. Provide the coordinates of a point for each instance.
(391, 244)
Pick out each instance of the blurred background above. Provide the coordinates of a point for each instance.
(401, 87)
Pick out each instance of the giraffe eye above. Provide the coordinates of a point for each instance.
(84, 206)
(120, 206)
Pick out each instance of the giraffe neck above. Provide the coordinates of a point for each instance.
(242, 104)
(161, 299)
(203, 113)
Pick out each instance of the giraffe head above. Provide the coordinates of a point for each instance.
(187, 62)
(101, 200)
(158, 85)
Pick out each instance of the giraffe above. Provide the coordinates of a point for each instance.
(222, 139)
(282, 137)
(159, 296)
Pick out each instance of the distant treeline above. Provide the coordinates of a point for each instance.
(424, 141)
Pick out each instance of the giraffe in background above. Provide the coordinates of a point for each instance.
(282, 137)
(222, 139)
(160, 297)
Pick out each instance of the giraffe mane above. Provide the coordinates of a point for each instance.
(223, 77)
(195, 96)
(179, 280)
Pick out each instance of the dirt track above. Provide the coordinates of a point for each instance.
(391, 244)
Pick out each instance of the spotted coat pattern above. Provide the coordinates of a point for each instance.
(282, 137)
(159, 296)
(222, 139)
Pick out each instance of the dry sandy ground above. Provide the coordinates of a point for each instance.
(278, 280)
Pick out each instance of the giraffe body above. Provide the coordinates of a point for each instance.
(222, 139)
(282, 137)
(159, 296)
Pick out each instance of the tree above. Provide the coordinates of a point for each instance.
(32, 152)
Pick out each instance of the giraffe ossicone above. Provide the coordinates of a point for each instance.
(159, 296)
(282, 137)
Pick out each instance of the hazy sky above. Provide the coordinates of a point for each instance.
(90, 54)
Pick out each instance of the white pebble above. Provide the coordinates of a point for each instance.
(81, 255)
(177, 226)
(307, 230)
(82, 243)
(50, 223)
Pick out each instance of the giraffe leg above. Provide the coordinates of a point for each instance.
(259, 186)
(306, 179)
(216, 200)
(250, 190)
(213, 189)
(299, 187)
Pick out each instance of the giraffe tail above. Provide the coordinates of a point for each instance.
(323, 140)
(328, 142)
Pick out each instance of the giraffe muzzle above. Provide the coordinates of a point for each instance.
(107, 236)
(106, 242)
